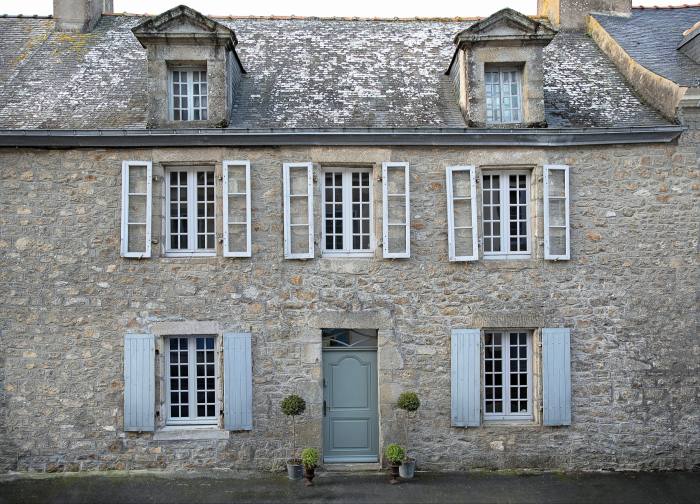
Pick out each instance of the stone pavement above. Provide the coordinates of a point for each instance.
(478, 487)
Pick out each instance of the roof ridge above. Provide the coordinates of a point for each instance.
(659, 7)
(318, 18)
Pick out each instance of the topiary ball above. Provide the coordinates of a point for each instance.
(395, 454)
(310, 457)
(293, 405)
(408, 401)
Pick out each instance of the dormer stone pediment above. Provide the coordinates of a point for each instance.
(503, 26)
(183, 25)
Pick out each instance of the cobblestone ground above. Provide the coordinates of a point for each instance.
(118, 487)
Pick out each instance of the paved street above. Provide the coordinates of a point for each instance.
(121, 487)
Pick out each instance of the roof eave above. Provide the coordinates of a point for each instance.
(457, 137)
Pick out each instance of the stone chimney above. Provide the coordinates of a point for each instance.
(79, 15)
(572, 14)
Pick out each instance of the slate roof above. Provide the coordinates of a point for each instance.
(302, 73)
(651, 37)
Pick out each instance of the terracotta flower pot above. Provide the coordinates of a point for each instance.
(394, 472)
(309, 475)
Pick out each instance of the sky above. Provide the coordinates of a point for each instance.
(361, 8)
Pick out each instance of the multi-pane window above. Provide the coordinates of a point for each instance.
(188, 95)
(190, 376)
(190, 211)
(506, 213)
(347, 211)
(507, 375)
(503, 95)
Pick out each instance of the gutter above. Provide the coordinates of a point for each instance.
(231, 137)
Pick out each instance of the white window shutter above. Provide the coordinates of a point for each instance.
(298, 210)
(466, 377)
(462, 233)
(137, 189)
(556, 376)
(396, 210)
(237, 210)
(238, 382)
(557, 243)
(139, 382)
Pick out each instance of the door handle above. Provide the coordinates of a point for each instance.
(324, 407)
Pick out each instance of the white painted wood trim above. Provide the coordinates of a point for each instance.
(347, 251)
(248, 251)
(385, 211)
(546, 170)
(287, 217)
(126, 166)
(506, 254)
(451, 237)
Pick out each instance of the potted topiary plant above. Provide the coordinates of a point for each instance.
(292, 406)
(395, 455)
(409, 403)
(309, 458)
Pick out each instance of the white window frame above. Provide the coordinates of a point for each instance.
(451, 235)
(506, 416)
(546, 171)
(504, 177)
(490, 68)
(192, 380)
(190, 102)
(126, 166)
(347, 251)
(191, 251)
(286, 167)
(248, 251)
(385, 210)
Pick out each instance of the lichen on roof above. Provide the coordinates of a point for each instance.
(302, 73)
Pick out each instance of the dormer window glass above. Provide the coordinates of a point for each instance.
(503, 95)
(188, 94)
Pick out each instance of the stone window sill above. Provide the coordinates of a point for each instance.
(190, 433)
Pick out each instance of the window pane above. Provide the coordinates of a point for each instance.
(557, 241)
(137, 179)
(137, 238)
(464, 245)
(461, 184)
(298, 181)
(299, 239)
(206, 232)
(397, 239)
(556, 184)
(397, 180)
(236, 179)
(557, 212)
(462, 213)
(177, 196)
(396, 209)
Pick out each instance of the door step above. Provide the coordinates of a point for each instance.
(354, 467)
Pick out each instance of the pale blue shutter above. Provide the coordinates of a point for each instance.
(556, 370)
(466, 383)
(238, 382)
(139, 382)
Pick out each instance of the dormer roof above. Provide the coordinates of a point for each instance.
(506, 26)
(184, 25)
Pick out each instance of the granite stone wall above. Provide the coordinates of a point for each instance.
(629, 295)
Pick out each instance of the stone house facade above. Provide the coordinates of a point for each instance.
(203, 215)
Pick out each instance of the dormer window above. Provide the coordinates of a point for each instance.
(193, 69)
(498, 73)
(503, 95)
(188, 94)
